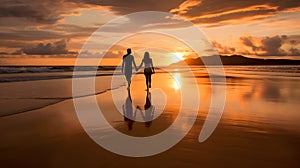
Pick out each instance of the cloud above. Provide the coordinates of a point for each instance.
(271, 46)
(48, 32)
(12, 43)
(45, 12)
(293, 42)
(223, 49)
(27, 12)
(29, 35)
(214, 11)
(243, 14)
(249, 41)
(71, 28)
(4, 53)
(108, 54)
(122, 7)
(284, 37)
(185, 6)
(210, 12)
(267, 46)
(294, 51)
(145, 21)
(59, 47)
(199, 11)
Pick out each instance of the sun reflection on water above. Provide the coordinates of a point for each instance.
(177, 81)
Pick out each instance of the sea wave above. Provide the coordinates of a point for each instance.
(28, 73)
(269, 68)
(39, 69)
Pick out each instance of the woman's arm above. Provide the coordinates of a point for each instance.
(141, 64)
(152, 66)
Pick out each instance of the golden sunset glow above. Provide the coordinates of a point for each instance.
(150, 83)
(177, 81)
(179, 55)
(60, 30)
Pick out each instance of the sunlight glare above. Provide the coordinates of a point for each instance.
(177, 81)
(179, 55)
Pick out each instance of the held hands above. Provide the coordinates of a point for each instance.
(137, 69)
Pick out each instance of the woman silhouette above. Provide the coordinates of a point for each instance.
(148, 70)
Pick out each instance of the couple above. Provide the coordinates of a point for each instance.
(128, 60)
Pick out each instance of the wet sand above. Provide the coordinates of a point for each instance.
(52, 136)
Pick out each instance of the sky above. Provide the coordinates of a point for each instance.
(61, 28)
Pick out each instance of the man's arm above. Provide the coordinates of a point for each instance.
(136, 69)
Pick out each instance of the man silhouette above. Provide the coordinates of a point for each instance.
(128, 60)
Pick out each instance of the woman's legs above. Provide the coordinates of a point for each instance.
(147, 80)
(148, 73)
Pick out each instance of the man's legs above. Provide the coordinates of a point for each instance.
(128, 78)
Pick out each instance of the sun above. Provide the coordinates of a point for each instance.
(179, 55)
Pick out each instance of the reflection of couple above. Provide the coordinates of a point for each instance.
(128, 60)
(129, 115)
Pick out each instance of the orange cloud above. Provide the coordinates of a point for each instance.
(185, 6)
(213, 12)
(237, 11)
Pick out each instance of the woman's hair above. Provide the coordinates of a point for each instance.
(146, 56)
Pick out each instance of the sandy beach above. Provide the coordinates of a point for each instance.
(39, 126)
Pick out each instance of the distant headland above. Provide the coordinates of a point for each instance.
(237, 60)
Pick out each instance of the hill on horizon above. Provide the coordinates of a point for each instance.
(236, 60)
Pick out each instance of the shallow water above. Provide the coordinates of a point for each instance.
(260, 93)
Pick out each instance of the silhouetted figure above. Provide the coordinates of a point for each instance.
(129, 115)
(128, 60)
(148, 69)
(149, 111)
